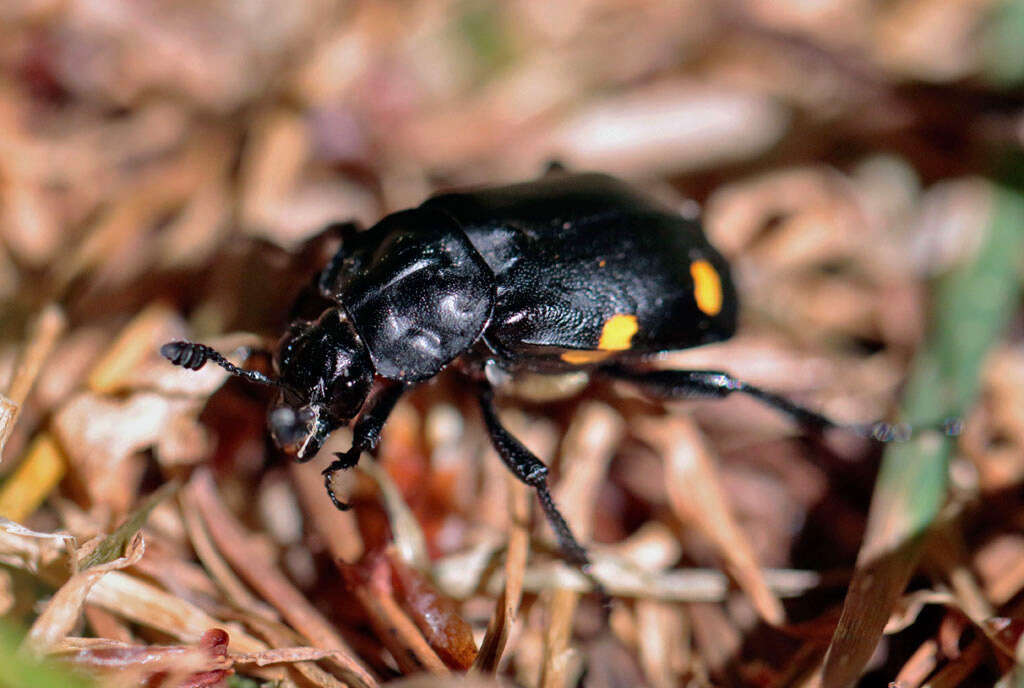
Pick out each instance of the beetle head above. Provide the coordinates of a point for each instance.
(326, 375)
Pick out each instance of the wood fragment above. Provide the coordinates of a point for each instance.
(338, 528)
(920, 665)
(435, 614)
(8, 416)
(6, 593)
(277, 635)
(405, 529)
(107, 626)
(956, 672)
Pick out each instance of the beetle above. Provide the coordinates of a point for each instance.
(571, 275)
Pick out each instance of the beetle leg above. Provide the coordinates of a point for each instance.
(703, 384)
(532, 471)
(528, 468)
(365, 436)
(329, 274)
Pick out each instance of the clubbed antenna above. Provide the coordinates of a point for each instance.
(194, 356)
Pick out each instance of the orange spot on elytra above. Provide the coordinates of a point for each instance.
(583, 356)
(707, 287)
(617, 333)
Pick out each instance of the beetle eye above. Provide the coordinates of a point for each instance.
(289, 427)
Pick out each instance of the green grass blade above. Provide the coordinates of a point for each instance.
(973, 304)
(17, 670)
(1002, 44)
(112, 546)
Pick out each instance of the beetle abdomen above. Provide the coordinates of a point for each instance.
(594, 270)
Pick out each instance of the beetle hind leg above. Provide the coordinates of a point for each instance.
(710, 384)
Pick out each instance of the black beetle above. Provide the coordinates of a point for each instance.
(567, 275)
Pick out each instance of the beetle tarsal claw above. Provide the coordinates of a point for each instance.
(338, 504)
(344, 461)
(340, 464)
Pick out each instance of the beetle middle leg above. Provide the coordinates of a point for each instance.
(365, 436)
(532, 471)
(704, 384)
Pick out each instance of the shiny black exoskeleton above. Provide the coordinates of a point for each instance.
(569, 273)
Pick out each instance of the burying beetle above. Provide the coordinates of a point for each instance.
(569, 275)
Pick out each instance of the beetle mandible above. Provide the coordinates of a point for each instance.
(571, 274)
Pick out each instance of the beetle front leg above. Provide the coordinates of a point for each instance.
(532, 471)
(365, 436)
(698, 384)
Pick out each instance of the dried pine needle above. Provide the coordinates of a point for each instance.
(43, 335)
(405, 529)
(133, 344)
(507, 606)
(65, 607)
(233, 542)
(141, 196)
(35, 478)
(697, 496)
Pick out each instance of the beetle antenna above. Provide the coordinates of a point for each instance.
(193, 356)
